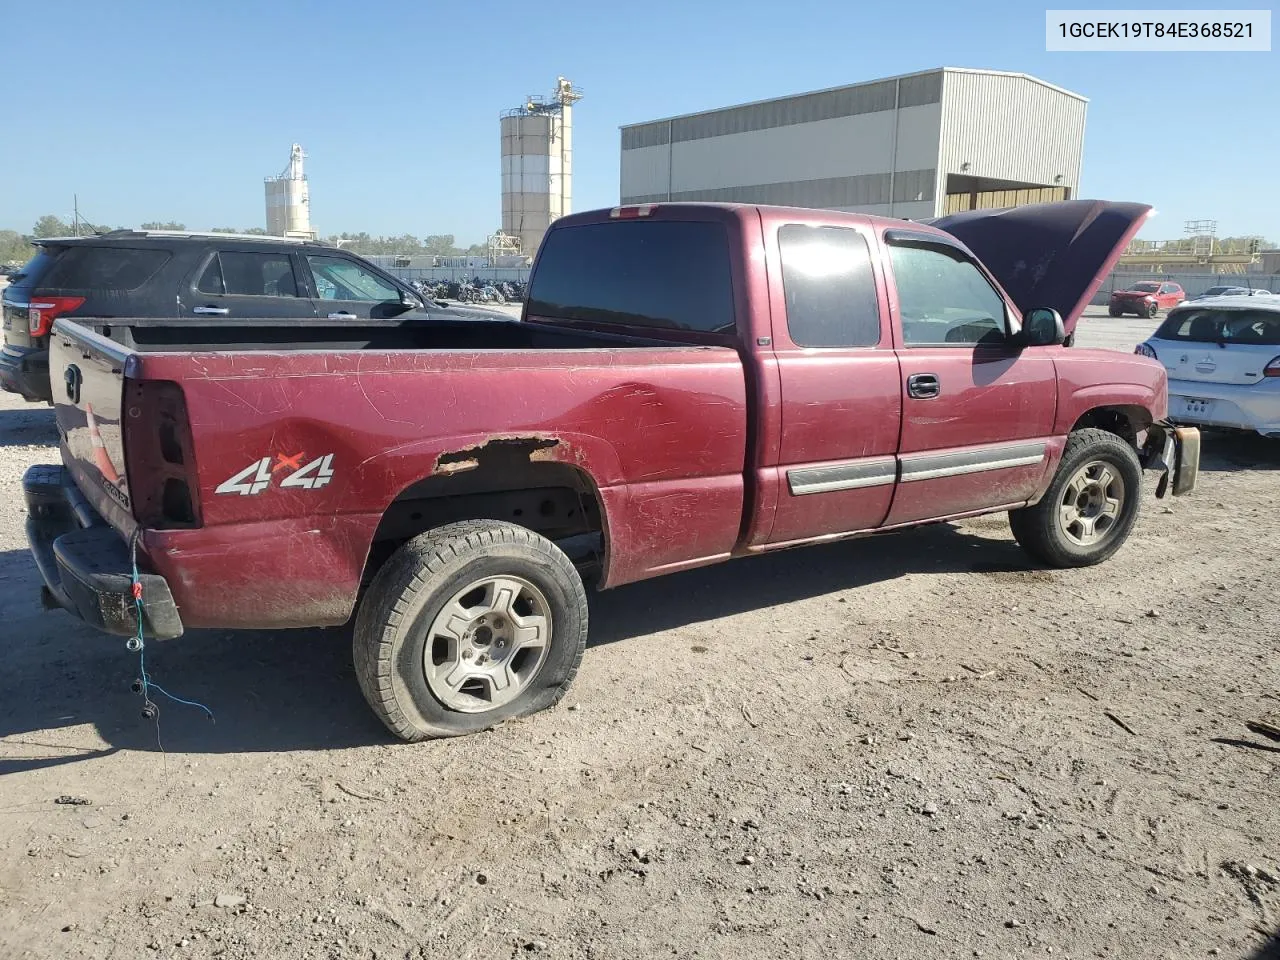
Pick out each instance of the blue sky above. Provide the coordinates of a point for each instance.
(178, 110)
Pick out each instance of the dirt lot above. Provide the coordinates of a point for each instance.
(912, 746)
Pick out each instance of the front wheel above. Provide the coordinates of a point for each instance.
(1153, 310)
(468, 625)
(1090, 507)
(1114, 311)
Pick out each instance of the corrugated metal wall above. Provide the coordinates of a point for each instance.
(1010, 127)
(844, 149)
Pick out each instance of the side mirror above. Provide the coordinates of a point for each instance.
(1042, 327)
(410, 302)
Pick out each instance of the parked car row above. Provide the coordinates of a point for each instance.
(1147, 298)
(197, 278)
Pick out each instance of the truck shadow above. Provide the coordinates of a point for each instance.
(28, 427)
(296, 690)
(780, 578)
(1269, 950)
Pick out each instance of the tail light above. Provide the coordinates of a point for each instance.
(1272, 369)
(1143, 350)
(159, 455)
(42, 311)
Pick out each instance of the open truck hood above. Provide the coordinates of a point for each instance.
(1049, 254)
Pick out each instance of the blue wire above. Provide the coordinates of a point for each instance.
(147, 682)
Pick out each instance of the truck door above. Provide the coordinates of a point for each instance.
(840, 386)
(978, 412)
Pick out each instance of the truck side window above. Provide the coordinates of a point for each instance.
(944, 299)
(829, 287)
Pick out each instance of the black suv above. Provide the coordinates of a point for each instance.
(132, 273)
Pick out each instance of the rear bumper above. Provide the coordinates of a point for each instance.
(1245, 406)
(1173, 451)
(25, 370)
(86, 565)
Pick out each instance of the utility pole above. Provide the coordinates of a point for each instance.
(75, 202)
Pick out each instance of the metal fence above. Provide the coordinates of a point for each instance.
(1193, 283)
(448, 274)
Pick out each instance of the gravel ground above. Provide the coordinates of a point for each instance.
(910, 746)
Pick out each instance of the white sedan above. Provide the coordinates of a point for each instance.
(1223, 358)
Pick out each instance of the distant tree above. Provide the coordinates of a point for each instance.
(477, 250)
(14, 247)
(254, 231)
(440, 245)
(51, 226)
(164, 225)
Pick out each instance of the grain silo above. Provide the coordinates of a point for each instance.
(288, 200)
(537, 165)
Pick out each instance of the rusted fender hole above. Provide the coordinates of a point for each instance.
(497, 453)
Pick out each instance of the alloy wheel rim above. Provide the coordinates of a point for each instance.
(1091, 505)
(487, 644)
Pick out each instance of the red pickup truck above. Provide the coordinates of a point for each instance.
(688, 383)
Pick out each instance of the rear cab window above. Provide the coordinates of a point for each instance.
(663, 274)
(88, 267)
(1260, 327)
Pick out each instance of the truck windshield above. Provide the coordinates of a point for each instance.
(1223, 326)
(672, 274)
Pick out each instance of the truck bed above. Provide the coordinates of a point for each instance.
(386, 419)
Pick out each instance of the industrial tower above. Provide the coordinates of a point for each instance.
(537, 165)
(288, 200)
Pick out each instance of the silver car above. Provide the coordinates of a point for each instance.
(1232, 292)
(1223, 359)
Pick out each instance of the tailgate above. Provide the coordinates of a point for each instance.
(87, 374)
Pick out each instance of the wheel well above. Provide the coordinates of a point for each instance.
(553, 499)
(1125, 421)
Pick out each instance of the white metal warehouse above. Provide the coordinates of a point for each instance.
(914, 146)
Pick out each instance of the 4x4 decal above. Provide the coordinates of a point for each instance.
(256, 477)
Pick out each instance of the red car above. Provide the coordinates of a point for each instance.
(1146, 299)
(689, 383)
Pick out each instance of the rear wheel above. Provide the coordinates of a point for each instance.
(468, 625)
(1114, 311)
(1090, 507)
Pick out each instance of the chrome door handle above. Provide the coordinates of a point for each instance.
(343, 315)
(923, 386)
(211, 311)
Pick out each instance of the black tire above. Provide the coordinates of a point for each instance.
(1115, 311)
(1040, 530)
(411, 589)
(1153, 311)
